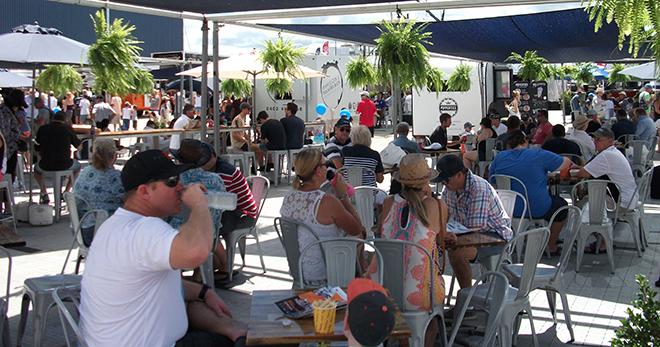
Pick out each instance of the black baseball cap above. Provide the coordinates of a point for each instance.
(448, 166)
(343, 122)
(371, 313)
(148, 166)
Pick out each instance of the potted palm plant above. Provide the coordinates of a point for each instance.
(360, 73)
(532, 65)
(113, 58)
(616, 77)
(459, 80)
(435, 80)
(279, 86)
(235, 88)
(585, 73)
(60, 79)
(402, 58)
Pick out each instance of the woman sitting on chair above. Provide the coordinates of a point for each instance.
(486, 132)
(326, 215)
(415, 215)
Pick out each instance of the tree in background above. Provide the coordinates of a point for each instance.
(114, 56)
(638, 22)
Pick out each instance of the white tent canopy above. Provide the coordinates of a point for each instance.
(644, 71)
(13, 80)
(246, 67)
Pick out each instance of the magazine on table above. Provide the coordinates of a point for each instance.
(300, 306)
(458, 228)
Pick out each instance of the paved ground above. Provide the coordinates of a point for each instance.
(597, 299)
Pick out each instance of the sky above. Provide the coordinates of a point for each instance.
(236, 39)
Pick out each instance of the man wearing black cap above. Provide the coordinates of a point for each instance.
(472, 202)
(132, 292)
(332, 150)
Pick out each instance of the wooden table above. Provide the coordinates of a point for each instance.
(477, 239)
(265, 326)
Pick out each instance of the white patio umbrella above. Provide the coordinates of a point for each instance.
(32, 46)
(12, 80)
(644, 71)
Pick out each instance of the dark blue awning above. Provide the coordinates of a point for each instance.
(559, 36)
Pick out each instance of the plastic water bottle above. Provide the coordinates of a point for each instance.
(221, 200)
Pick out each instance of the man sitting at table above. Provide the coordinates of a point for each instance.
(623, 125)
(439, 135)
(531, 166)
(558, 144)
(240, 140)
(272, 134)
(472, 202)
(184, 122)
(513, 124)
(294, 127)
(401, 139)
(543, 129)
(132, 292)
(332, 150)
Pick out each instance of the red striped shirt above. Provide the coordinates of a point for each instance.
(237, 184)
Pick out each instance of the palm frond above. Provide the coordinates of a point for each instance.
(616, 76)
(60, 79)
(459, 80)
(279, 86)
(585, 73)
(435, 79)
(282, 57)
(532, 65)
(235, 88)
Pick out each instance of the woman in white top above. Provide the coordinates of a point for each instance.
(514, 106)
(326, 215)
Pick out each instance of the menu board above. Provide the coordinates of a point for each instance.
(533, 97)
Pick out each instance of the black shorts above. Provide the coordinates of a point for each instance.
(195, 338)
(557, 203)
(232, 220)
(371, 130)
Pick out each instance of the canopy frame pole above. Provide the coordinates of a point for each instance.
(216, 91)
(182, 92)
(205, 77)
(32, 135)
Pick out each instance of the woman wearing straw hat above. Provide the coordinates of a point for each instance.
(580, 136)
(415, 215)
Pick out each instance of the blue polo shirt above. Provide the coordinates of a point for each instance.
(531, 166)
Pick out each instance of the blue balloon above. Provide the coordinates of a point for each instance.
(321, 109)
(345, 113)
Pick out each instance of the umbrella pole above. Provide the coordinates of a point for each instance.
(254, 106)
(216, 92)
(30, 145)
(205, 57)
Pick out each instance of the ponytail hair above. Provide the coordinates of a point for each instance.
(305, 163)
(414, 198)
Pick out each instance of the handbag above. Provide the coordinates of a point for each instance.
(392, 155)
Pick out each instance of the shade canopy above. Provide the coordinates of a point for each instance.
(30, 45)
(559, 36)
(644, 71)
(12, 80)
(247, 67)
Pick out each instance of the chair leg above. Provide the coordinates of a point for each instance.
(261, 252)
(241, 250)
(230, 250)
(531, 323)
(610, 249)
(579, 252)
(451, 289)
(636, 235)
(78, 261)
(567, 313)
(25, 305)
(552, 303)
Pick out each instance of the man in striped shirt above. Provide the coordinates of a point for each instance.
(245, 214)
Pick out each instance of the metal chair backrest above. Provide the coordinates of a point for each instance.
(626, 138)
(71, 203)
(341, 258)
(597, 192)
(573, 157)
(67, 320)
(651, 152)
(355, 175)
(572, 227)
(287, 231)
(393, 252)
(535, 241)
(490, 146)
(364, 204)
(638, 160)
(260, 186)
(644, 186)
(498, 285)
(509, 199)
(6, 253)
(85, 144)
(512, 183)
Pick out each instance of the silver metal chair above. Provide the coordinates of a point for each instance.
(206, 268)
(393, 252)
(97, 215)
(489, 155)
(341, 260)
(598, 221)
(639, 161)
(506, 182)
(516, 299)
(626, 138)
(509, 199)
(238, 160)
(551, 277)
(278, 157)
(498, 286)
(354, 175)
(259, 185)
(287, 231)
(364, 204)
(633, 213)
(66, 318)
(4, 302)
(644, 187)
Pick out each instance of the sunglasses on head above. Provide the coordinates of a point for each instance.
(345, 129)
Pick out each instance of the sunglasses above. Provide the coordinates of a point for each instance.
(170, 181)
(345, 129)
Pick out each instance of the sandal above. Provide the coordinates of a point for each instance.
(224, 276)
(591, 249)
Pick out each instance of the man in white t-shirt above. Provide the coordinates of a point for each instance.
(84, 104)
(182, 123)
(611, 164)
(499, 127)
(132, 291)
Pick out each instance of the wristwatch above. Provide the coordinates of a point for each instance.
(202, 293)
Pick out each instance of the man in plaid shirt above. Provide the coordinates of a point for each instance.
(472, 202)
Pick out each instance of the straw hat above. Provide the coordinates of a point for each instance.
(580, 122)
(414, 171)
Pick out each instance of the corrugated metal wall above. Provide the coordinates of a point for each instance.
(157, 33)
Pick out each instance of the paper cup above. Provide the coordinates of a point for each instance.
(325, 312)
